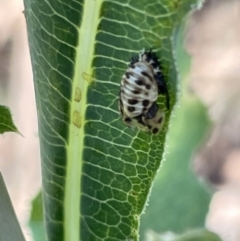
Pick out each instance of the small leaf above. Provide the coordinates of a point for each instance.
(6, 122)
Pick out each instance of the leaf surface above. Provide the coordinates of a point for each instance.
(177, 194)
(6, 122)
(97, 173)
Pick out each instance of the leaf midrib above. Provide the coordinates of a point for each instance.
(82, 78)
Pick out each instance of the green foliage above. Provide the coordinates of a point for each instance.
(37, 213)
(97, 173)
(193, 235)
(176, 194)
(36, 219)
(6, 122)
(198, 235)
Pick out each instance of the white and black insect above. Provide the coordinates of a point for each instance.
(139, 90)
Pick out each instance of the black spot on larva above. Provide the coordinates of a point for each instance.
(146, 93)
(127, 75)
(148, 87)
(144, 109)
(147, 75)
(132, 66)
(128, 119)
(149, 127)
(160, 120)
(155, 65)
(133, 61)
(152, 111)
(145, 102)
(132, 102)
(136, 92)
(155, 131)
(140, 121)
(131, 108)
(139, 82)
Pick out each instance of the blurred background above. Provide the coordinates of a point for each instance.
(198, 184)
(19, 154)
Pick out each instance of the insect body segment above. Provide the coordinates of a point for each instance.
(139, 90)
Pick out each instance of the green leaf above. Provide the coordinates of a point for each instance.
(198, 235)
(97, 173)
(192, 235)
(177, 195)
(36, 219)
(6, 122)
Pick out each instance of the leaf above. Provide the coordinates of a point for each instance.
(198, 235)
(97, 173)
(193, 235)
(36, 219)
(6, 122)
(177, 195)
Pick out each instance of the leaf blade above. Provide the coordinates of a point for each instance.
(6, 122)
(86, 151)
